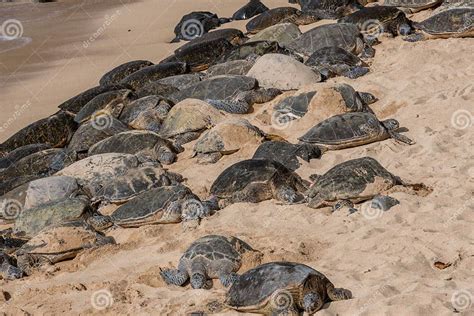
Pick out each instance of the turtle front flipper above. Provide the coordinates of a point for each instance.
(344, 204)
(416, 37)
(355, 72)
(174, 276)
(337, 294)
(230, 106)
(401, 138)
(208, 158)
(228, 279)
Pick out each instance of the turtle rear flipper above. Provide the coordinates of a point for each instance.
(228, 279)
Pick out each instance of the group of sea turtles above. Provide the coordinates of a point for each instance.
(110, 143)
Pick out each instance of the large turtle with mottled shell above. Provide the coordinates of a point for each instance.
(209, 257)
(278, 15)
(412, 5)
(283, 288)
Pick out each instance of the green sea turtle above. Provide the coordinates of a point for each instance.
(352, 129)
(152, 73)
(195, 24)
(111, 102)
(38, 165)
(181, 82)
(336, 61)
(257, 180)
(99, 127)
(146, 113)
(188, 119)
(227, 137)
(233, 36)
(49, 189)
(286, 153)
(155, 88)
(251, 9)
(13, 156)
(116, 75)
(374, 20)
(328, 9)
(55, 130)
(31, 221)
(209, 257)
(452, 22)
(282, 33)
(74, 104)
(412, 5)
(137, 142)
(58, 243)
(451, 4)
(344, 35)
(357, 180)
(8, 268)
(283, 288)
(234, 67)
(278, 15)
(162, 205)
(254, 49)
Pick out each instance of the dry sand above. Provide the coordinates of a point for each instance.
(386, 260)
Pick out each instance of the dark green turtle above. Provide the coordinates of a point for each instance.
(234, 67)
(152, 73)
(8, 268)
(162, 205)
(116, 75)
(144, 143)
(75, 104)
(328, 9)
(38, 165)
(452, 22)
(181, 82)
(146, 113)
(55, 131)
(251, 9)
(372, 21)
(352, 129)
(412, 5)
(99, 127)
(283, 288)
(344, 35)
(156, 88)
(111, 102)
(451, 4)
(355, 181)
(59, 243)
(286, 153)
(278, 15)
(13, 156)
(209, 257)
(257, 180)
(336, 61)
(195, 24)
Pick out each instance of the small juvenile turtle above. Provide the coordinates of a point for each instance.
(13, 156)
(209, 257)
(336, 61)
(344, 35)
(152, 73)
(116, 75)
(8, 270)
(146, 113)
(55, 131)
(251, 9)
(195, 24)
(227, 137)
(58, 243)
(412, 6)
(234, 67)
(328, 9)
(374, 20)
(162, 205)
(283, 288)
(257, 180)
(74, 104)
(352, 129)
(357, 180)
(275, 16)
(452, 22)
(294, 107)
(286, 153)
(99, 127)
(181, 82)
(137, 142)
(111, 102)
(188, 119)
(32, 221)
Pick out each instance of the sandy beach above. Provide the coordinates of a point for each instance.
(415, 259)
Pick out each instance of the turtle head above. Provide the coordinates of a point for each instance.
(198, 280)
(404, 29)
(391, 124)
